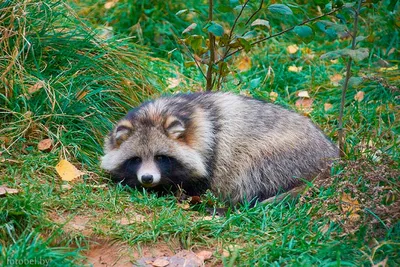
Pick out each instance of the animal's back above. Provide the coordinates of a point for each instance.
(261, 148)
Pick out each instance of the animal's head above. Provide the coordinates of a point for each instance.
(151, 147)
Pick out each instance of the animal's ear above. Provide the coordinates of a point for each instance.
(123, 130)
(174, 127)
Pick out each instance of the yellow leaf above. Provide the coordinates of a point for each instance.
(273, 96)
(173, 82)
(335, 79)
(350, 206)
(81, 95)
(4, 190)
(244, 63)
(303, 94)
(359, 96)
(327, 106)
(389, 69)
(295, 69)
(110, 4)
(291, 49)
(67, 171)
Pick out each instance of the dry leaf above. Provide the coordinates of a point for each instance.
(160, 262)
(184, 206)
(244, 63)
(350, 206)
(173, 82)
(359, 96)
(45, 145)
(292, 49)
(110, 4)
(204, 255)
(303, 94)
(66, 187)
(335, 79)
(273, 96)
(305, 105)
(81, 95)
(295, 69)
(327, 106)
(190, 27)
(4, 190)
(36, 87)
(67, 171)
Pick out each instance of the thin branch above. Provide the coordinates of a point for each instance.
(346, 82)
(237, 18)
(259, 8)
(282, 32)
(212, 49)
(195, 61)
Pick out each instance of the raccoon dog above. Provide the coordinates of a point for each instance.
(238, 147)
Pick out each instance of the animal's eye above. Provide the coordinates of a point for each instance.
(161, 158)
(136, 159)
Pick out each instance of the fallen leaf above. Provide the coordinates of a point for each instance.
(204, 255)
(359, 96)
(67, 171)
(295, 69)
(195, 200)
(351, 207)
(36, 87)
(291, 49)
(110, 4)
(160, 262)
(81, 95)
(303, 94)
(305, 105)
(45, 145)
(4, 190)
(190, 28)
(335, 79)
(273, 96)
(173, 82)
(66, 187)
(244, 63)
(327, 106)
(184, 206)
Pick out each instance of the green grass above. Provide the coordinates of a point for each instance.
(88, 82)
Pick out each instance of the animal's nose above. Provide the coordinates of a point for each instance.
(147, 179)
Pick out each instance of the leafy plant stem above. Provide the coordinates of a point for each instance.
(281, 32)
(252, 15)
(212, 49)
(346, 82)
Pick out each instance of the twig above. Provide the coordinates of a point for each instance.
(211, 61)
(237, 18)
(259, 8)
(346, 82)
(280, 33)
(195, 61)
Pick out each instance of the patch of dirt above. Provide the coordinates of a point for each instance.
(79, 223)
(106, 253)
